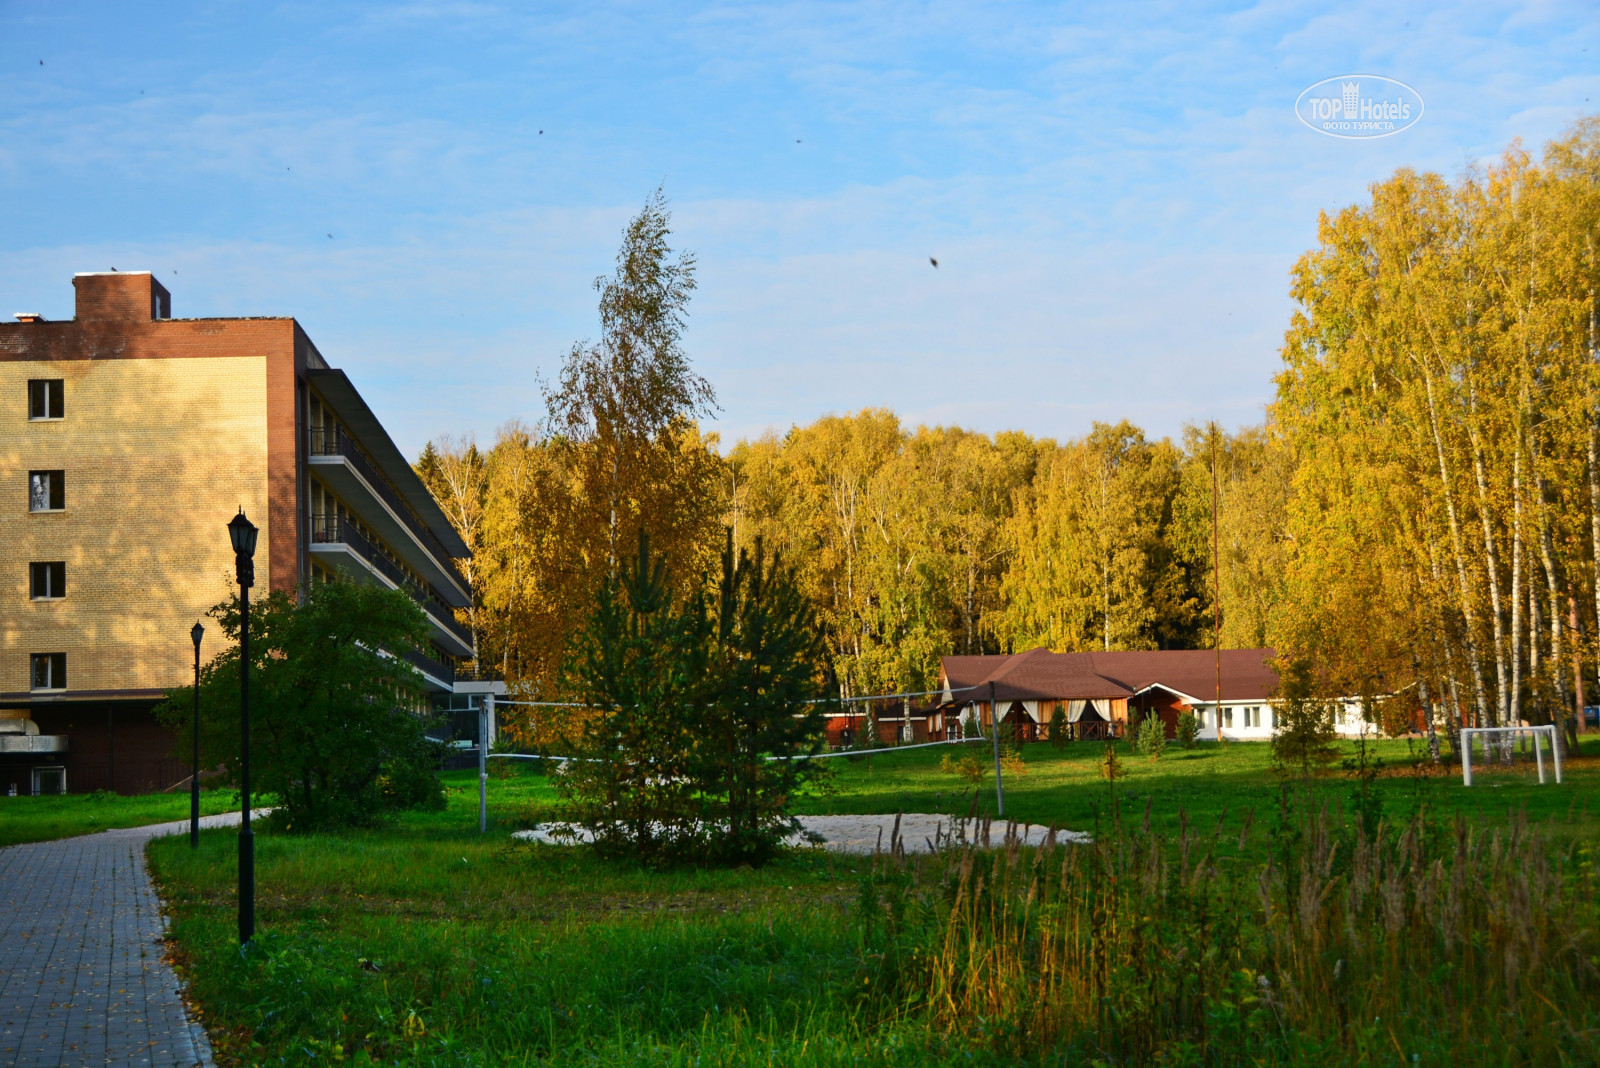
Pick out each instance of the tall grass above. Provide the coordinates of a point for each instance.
(1427, 942)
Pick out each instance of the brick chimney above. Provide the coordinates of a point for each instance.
(121, 295)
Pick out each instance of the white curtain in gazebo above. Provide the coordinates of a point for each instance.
(1076, 709)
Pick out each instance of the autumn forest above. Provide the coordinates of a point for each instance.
(1418, 512)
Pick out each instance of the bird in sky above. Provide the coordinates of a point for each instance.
(541, 133)
(330, 237)
(934, 262)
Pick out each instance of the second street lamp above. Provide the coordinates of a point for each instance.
(197, 632)
(243, 534)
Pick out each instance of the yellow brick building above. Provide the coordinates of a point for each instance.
(128, 439)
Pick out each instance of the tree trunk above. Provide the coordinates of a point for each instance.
(1514, 697)
(1577, 668)
(1491, 566)
(1553, 589)
(1474, 660)
(1427, 711)
(1592, 467)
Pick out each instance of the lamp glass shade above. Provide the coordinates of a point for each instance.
(243, 532)
(197, 632)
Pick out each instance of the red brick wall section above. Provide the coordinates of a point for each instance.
(131, 297)
(139, 752)
(284, 369)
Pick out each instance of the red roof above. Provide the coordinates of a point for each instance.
(1040, 675)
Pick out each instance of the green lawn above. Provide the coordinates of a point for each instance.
(38, 819)
(1065, 787)
(427, 943)
(1206, 784)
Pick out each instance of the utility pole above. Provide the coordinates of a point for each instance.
(485, 718)
(1216, 577)
(994, 735)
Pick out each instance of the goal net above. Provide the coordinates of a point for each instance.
(1523, 748)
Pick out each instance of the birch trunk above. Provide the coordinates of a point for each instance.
(1427, 711)
(1491, 566)
(1514, 697)
(1474, 660)
(1592, 468)
(1553, 589)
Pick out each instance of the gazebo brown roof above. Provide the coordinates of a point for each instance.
(1041, 675)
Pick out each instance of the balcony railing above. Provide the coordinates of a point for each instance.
(437, 669)
(33, 743)
(336, 529)
(332, 441)
(481, 674)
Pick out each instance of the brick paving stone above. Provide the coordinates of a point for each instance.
(82, 979)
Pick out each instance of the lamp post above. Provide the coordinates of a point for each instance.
(196, 632)
(243, 534)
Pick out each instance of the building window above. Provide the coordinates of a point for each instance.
(49, 671)
(49, 781)
(47, 491)
(47, 581)
(1227, 718)
(44, 398)
(1268, 721)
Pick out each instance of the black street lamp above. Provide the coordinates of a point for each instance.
(243, 532)
(197, 632)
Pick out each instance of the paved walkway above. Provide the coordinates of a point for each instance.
(82, 980)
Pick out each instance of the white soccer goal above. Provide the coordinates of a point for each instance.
(1489, 752)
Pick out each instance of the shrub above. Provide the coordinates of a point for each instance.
(1151, 740)
(971, 769)
(334, 740)
(1188, 730)
(1305, 737)
(969, 726)
(1110, 764)
(1058, 727)
(868, 736)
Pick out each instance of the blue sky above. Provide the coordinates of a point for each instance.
(1115, 192)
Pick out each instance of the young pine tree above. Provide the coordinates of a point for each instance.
(1305, 736)
(1058, 727)
(761, 722)
(639, 665)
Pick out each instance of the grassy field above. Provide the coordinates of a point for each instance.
(39, 819)
(426, 943)
(1207, 784)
